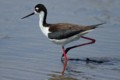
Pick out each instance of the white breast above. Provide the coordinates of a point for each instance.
(44, 30)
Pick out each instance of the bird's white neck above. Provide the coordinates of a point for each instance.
(41, 18)
(43, 28)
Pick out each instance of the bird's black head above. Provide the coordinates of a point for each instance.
(38, 8)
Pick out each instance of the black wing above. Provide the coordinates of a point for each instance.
(63, 34)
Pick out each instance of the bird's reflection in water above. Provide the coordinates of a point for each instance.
(60, 77)
(75, 63)
(72, 70)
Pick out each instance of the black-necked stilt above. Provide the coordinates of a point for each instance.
(62, 33)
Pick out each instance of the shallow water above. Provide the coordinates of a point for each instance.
(26, 54)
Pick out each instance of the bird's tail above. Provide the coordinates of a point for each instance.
(90, 28)
(96, 25)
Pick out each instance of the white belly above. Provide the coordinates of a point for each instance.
(65, 41)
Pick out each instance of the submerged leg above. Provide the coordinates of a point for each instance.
(91, 42)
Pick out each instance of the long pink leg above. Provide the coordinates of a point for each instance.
(69, 48)
(66, 60)
(91, 42)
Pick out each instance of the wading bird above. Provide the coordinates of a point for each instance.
(62, 33)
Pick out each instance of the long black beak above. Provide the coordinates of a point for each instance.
(28, 15)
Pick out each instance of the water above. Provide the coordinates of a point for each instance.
(26, 54)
